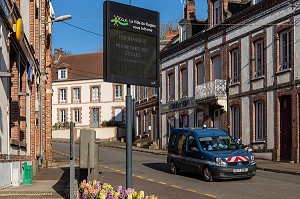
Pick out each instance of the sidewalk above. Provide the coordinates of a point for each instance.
(263, 165)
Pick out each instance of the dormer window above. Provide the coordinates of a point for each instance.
(217, 12)
(62, 73)
(183, 32)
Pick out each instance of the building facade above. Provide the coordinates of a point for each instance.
(242, 76)
(80, 94)
(21, 77)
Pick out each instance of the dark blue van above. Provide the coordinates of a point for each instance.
(211, 152)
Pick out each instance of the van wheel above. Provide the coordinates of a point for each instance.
(207, 176)
(173, 168)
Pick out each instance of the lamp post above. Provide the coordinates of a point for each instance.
(57, 19)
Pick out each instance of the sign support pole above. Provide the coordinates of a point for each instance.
(128, 138)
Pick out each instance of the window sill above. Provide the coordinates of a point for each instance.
(234, 84)
(257, 78)
(283, 71)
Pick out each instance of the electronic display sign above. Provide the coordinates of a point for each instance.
(131, 45)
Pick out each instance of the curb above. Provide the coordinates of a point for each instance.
(278, 171)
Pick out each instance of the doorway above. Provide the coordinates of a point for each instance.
(285, 127)
(95, 115)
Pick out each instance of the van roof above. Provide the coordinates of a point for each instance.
(204, 132)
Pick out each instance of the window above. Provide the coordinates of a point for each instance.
(118, 115)
(200, 74)
(184, 83)
(171, 87)
(183, 33)
(76, 115)
(259, 120)
(154, 91)
(62, 73)
(172, 140)
(138, 92)
(259, 58)
(192, 144)
(235, 121)
(216, 62)
(217, 13)
(258, 1)
(145, 95)
(235, 66)
(285, 50)
(63, 95)
(76, 95)
(62, 116)
(118, 92)
(95, 94)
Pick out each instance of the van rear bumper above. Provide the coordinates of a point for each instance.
(229, 172)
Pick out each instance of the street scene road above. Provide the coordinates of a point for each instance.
(151, 173)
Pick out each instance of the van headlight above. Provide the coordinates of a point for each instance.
(220, 162)
(252, 160)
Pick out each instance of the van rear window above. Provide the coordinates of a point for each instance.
(172, 140)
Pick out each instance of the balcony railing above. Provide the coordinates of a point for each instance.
(213, 89)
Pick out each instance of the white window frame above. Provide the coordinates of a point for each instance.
(259, 120)
(76, 115)
(63, 95)
(62, 73)
(259, 58)
(145, 96)
(95, 93)
(154, 92)
(235, 66)
(62, 115)
(183, 33)
(285, 64)
(118, 92)
(138, 93)
(76, 94)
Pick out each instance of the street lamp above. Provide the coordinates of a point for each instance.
(57, 19)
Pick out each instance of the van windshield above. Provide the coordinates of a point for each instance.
(217, 143)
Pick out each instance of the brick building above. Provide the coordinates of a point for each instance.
(248, 49)
(20, 80)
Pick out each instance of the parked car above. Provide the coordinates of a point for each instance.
(211, 152)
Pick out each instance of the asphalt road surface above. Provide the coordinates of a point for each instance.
(151, 174)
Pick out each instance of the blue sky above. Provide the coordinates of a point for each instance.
(88, 15)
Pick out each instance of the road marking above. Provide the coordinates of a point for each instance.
(209, 195)
(140, 177)
(192, 190)
(175, 186)
(150, 179)
(161, 182)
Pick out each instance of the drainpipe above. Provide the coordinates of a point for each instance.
(41, 87)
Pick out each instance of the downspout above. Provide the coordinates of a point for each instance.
(41, 87)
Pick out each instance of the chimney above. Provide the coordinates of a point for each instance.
(190, 10)
(57, 54)
(171, 33)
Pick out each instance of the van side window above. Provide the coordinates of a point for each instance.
(172, 140)
(192, 144)
(181, 145)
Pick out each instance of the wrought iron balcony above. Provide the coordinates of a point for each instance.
(213, 89)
